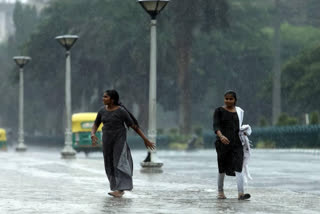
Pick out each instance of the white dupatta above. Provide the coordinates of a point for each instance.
(245, 131)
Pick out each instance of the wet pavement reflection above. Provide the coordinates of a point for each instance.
(39, 181)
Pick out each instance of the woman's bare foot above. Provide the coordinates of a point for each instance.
(221, 195)
(117, 194)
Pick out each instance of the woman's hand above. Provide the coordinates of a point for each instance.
(224, 139)
(94, 140)
(149, 145)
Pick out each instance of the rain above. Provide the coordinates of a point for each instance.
(171, 66)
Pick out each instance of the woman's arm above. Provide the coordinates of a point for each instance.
(94, 138)
(216, 127)
(223, 138)
(96, 124)
(130, 123)
(147, 143)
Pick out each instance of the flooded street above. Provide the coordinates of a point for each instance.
(39, 181)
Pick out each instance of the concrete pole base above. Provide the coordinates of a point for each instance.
(151, 161)
(151, 170)
(68, 153)
(151, 165)
(21, 148)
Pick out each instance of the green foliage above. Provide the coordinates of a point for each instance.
(300, 83)
(178, 141)
(312, 12)
(174, 132)
(314, 118)
(198, 130)
(295, 38)
(285, 120)
(300, 56)
(229, 42)
(179, 138)
(265, 145)
(160, 131)
(238, 58)
(263, 122)
(178, 146)
(25, 19)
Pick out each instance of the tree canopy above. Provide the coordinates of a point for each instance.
(204, 48)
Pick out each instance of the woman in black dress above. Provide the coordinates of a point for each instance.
(116, 152)
(226, 124)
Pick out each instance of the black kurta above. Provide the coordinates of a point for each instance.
(116, 152)
(230, 156)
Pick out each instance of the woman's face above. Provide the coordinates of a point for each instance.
(229, 100)
(106, 99)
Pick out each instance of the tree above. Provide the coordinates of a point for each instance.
(300, 82)
(238, 58)
(312, 12)
(203, 51)
(187, 18)
(25, 21)
(286, 120)
(113, 54)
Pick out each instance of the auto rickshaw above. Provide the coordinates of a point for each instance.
(3, 140)
(81, 132)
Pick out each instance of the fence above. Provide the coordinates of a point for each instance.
(266, 137)
(278, 137)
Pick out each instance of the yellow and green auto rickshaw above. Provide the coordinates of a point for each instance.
(81, 132)
(3, 140)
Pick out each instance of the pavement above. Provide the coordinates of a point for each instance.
(39, 181)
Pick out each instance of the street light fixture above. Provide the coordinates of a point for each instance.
(153, 7)
(21, 61)
(67, 41)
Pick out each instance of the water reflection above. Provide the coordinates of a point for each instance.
(151, 170)
(232, 205)
(110, 202)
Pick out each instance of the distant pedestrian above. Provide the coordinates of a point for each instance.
(227, 121)
(116, 152)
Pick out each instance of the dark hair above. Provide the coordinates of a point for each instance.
(233, 94)
(114, 95)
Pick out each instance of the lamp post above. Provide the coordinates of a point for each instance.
(67, 41)
(21, 61)
(153, 8)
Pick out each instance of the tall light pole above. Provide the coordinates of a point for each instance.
(153, 8)
(21, 61)
(67, 41)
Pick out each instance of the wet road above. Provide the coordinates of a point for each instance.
(39, 181)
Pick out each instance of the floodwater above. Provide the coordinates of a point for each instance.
(39, 181)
